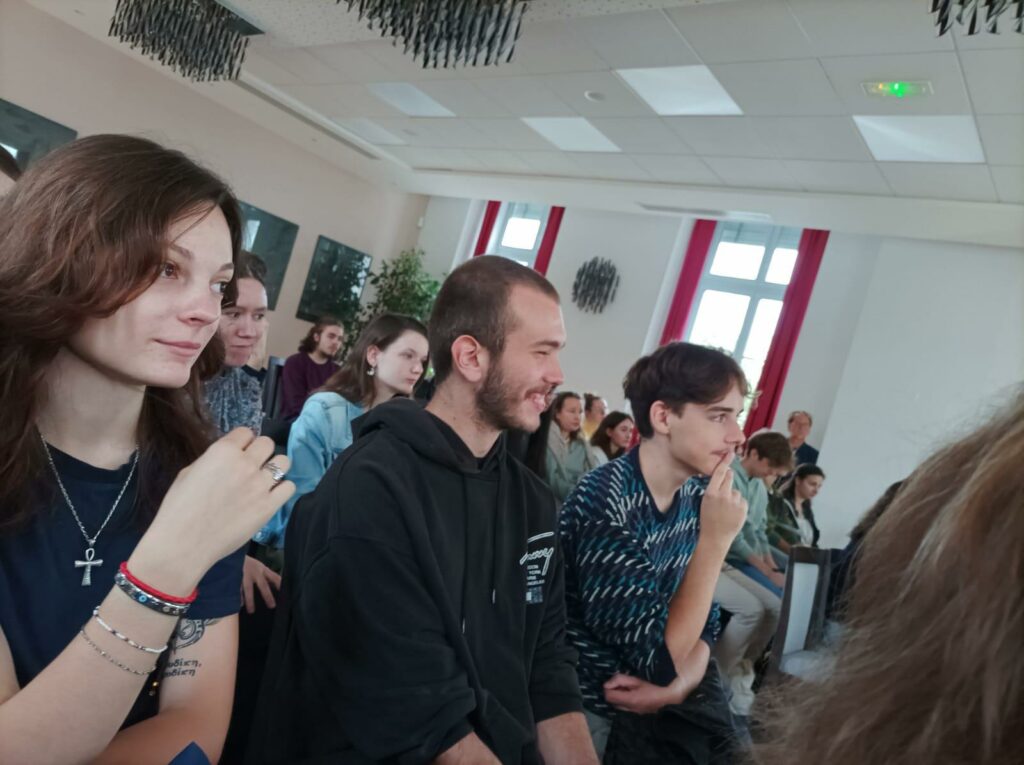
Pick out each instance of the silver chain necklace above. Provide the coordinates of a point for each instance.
(90, 550)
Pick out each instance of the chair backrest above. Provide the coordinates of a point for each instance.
(802, 619)
(271, 386)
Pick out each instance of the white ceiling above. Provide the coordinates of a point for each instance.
(794, 67)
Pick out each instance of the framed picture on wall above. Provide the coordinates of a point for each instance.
(271, 238)
(334, 284)
(28, 136)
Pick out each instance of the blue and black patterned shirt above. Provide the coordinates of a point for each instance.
(624, 560)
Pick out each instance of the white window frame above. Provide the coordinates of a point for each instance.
(517, 210)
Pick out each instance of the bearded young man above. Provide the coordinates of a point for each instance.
(423, 615)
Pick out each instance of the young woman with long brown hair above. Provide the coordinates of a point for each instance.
(931, 669)
(388, 358)
(115, 255)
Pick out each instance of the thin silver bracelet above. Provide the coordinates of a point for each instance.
(112, 660)
(125, 638)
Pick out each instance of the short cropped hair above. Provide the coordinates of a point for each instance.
(474, 301)
(679, 374)
(797, 413)
(773, 447)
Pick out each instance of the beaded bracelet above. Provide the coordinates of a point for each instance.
(149, 601)
(124, 638)
(153, 591)
(112, 660)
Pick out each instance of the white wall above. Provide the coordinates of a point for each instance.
(601, 347)
(828, 329)
(940, 340)
(449, 231)
(65, 75)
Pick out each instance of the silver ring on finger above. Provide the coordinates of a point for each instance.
(275, 472)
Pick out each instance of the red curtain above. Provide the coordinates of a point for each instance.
(547, 243)
(787, 331)
(689, 278)
(486, 226)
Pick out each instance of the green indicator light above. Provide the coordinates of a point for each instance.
(898, 89)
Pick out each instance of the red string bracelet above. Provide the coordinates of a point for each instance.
(155, 592)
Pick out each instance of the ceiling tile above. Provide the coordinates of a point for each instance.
(931, 180)
(845, 28)
(626, 40)
(345, 100)
(306, 67)
(609, 166)
(437, 132)
(752, 173)
(511, 134)
(1009, 183)
(1002, 135)
(720, 136)
(524, 96)
(571, 134)
(499, 161)
(944, 138)
(549, 162)
(746, 30)
(1005, 38)
(419, 157)
(352, 63)
(838, 177)
(812, 137)
(680, 90)
(615, 99)
(780, 87)
(994, 79)
(408, 99)
(370, 131)
(676, 169)
(405, 67)
(642, 135)
(463, 98)
(269, 71)
(848, 74)
(551, 48)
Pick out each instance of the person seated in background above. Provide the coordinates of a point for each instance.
(387, 360)
(766, 458)
(568, 457)
(234, 396)
(309, 369)
(790, 517)
(594, 410)
(120, 530)
(844, 565)
(612, 437)
(799, 425)
(754, 606)
(645, 537)
(930, 669)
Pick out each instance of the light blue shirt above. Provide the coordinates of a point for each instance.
(322, 431)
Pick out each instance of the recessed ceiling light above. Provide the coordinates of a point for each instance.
(408, 99)
(593, 95)
(680, 90)
(571, 133)
(929, 138)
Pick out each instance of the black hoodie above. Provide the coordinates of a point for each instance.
(422, 600)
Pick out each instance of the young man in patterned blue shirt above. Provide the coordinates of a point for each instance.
(644, 537)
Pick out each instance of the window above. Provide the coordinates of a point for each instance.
(739, 298)
(518, 231)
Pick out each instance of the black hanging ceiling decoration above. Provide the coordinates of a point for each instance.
(445, 33)
(595, 285)
(977, 15)
(199, 39)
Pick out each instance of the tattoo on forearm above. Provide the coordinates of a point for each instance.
(190, 632)
(182, 668)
